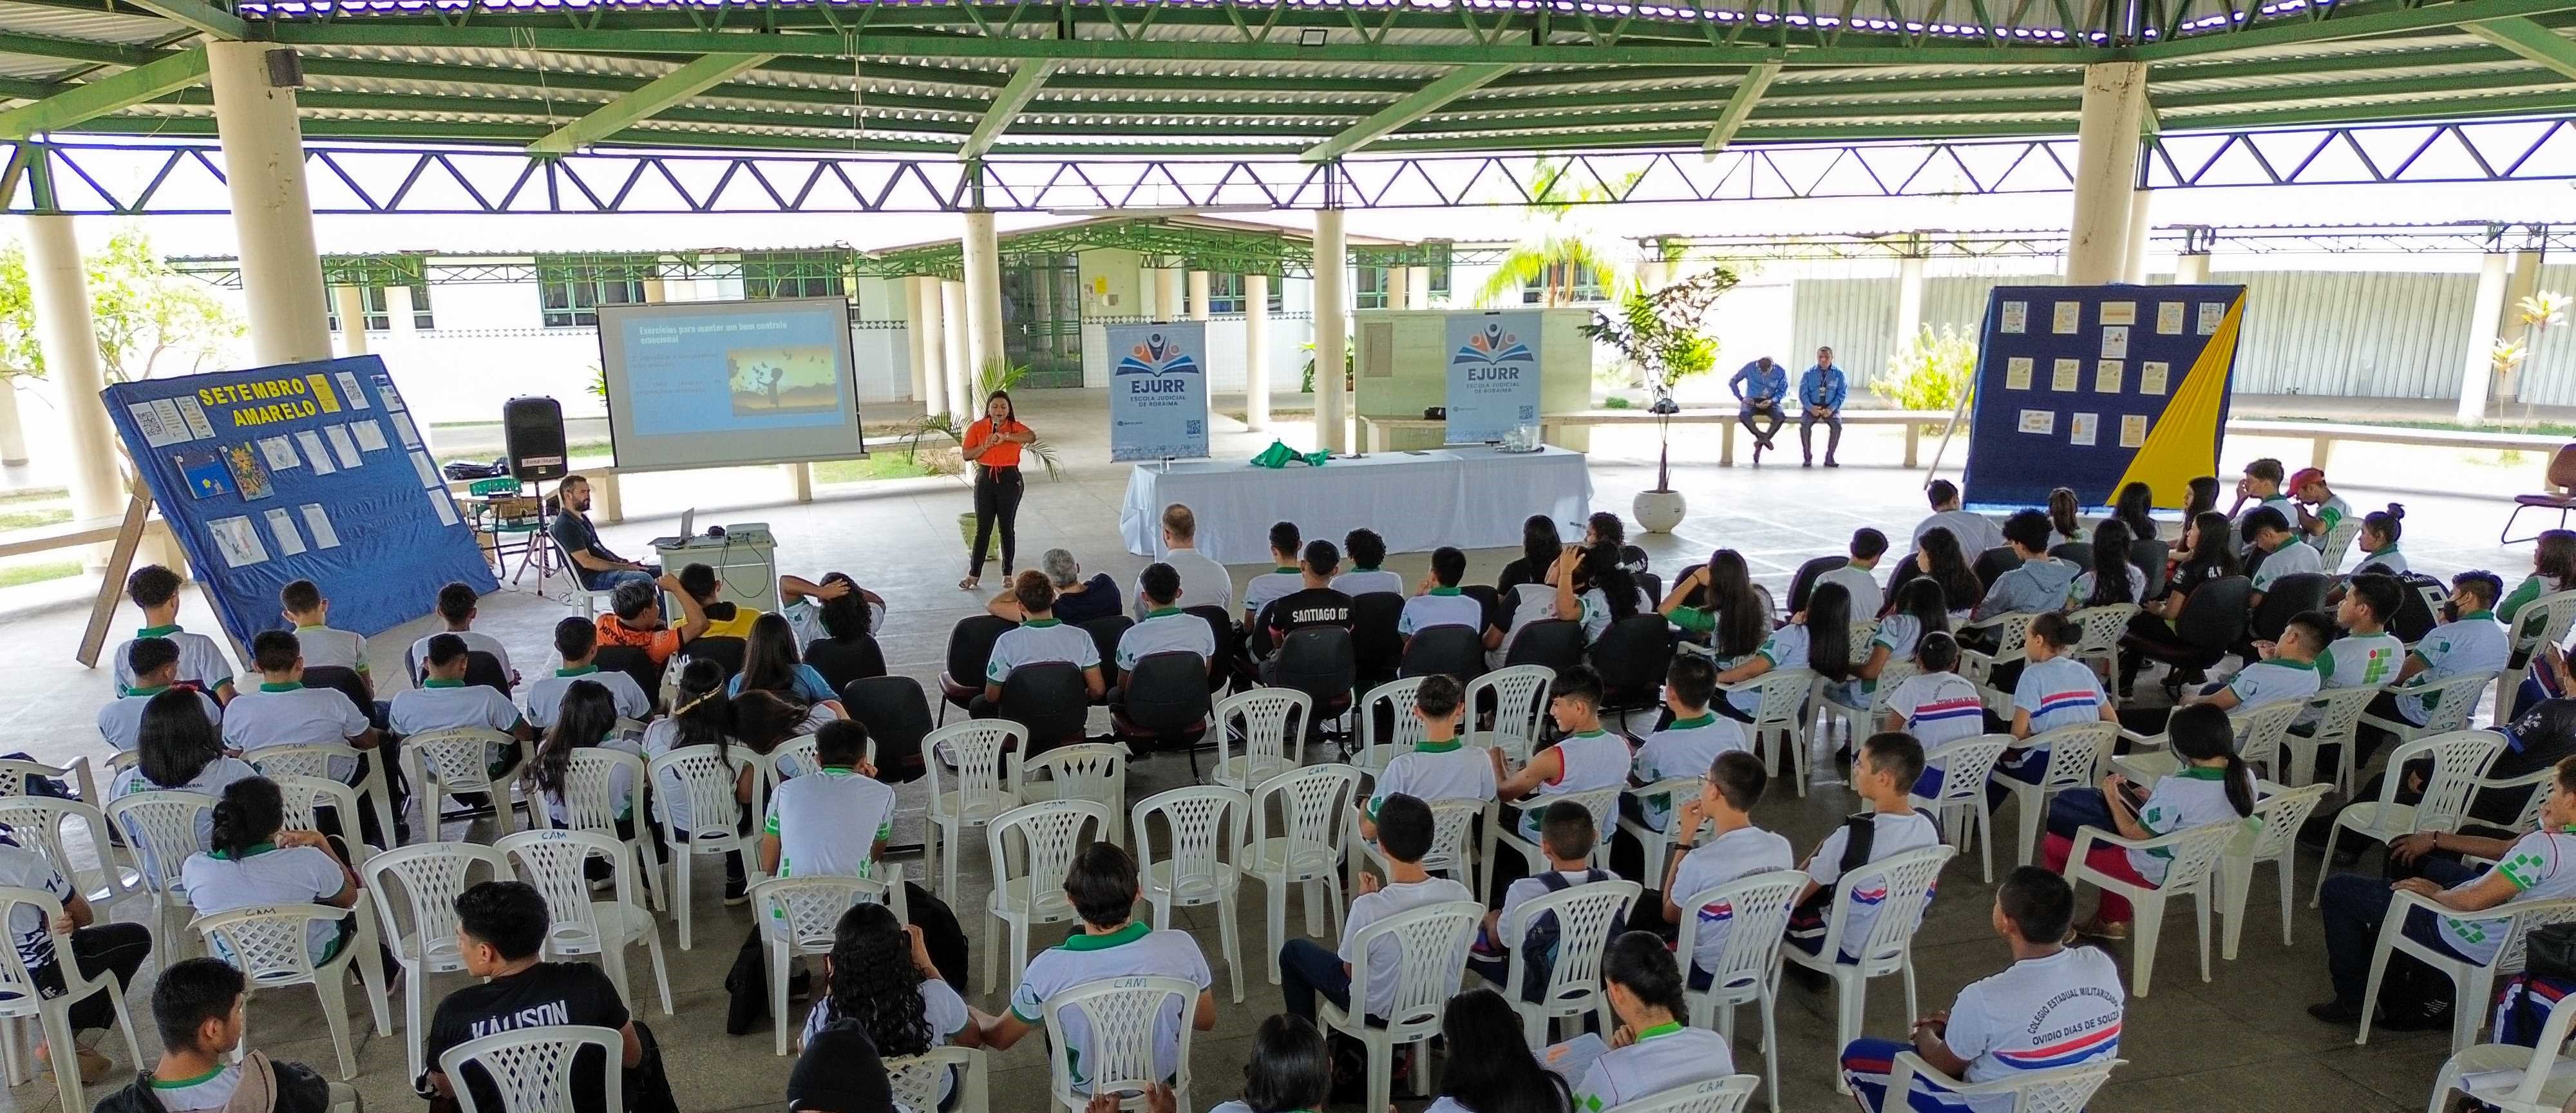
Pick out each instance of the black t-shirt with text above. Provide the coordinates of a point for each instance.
(548, 993)
(1313, 606)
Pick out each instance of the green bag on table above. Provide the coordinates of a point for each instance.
(1279, 455)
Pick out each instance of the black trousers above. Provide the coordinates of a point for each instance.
(1748, 415)
(1833, 437)
(118, 949)
(997, 501)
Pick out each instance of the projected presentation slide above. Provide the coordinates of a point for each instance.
(704, 384)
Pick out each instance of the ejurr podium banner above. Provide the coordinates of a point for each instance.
(1493, 375)
(1158, 394)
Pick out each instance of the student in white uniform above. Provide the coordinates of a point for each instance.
(1367, 551)
(1165, 627)
(1595, 589)
(1888, 765)
(2366, 655)
(1309, 972)
(197, 1006)
(110, 952)
(2320, 510)
(2214, 786)
(1284, 577)
(1439, 601)
(2055, 1006)
(833, 821)
(1566, 839)
(1290, 1071)
(457, 609)
(1975, 533)
(1440, 767)
(2283, 554)
(2261, 486)
(444, 701)
(257, 862)
(2113, 579)
(1817, 639)
(2286, 669)
(1936, 705)
(1860, 576)
(1493, 1069)
(305, 609)
(1686, 745)
(283, 712)
(1111, 944)
(1655, 1048)
(2468, 640)
(577, 642)
(1737, 850)
(587, 717)
(1038, 639)
(876, 971)
(2380, 530)
(807, 600)
(201, 662)
(1586, 758)
(700, 716)
(1919, 610)
(155, 665)
(177, 750)
(2055, 690)
(1206, 582)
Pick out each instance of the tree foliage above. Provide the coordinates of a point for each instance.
(1660, 329)
(1559, 243)
(1931, 372)
(151, 320)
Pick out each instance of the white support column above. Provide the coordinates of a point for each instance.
(2191, 268)
(983, 258)
(957, 354)
(1167, 295)
(351, 301)
(1148, 288)
(1256, 352)
(1396, 278)
(2486, 314)
(2133, 267)
(68, 336)
(398, 310)
(1332, 330)
(13, 432)
(934, 343)
(912, 333)
(272, 217)
(1417, 287)
(2106, 171)
(1198, 295)
(1909, 301)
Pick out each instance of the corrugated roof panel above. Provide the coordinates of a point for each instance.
(92, 26)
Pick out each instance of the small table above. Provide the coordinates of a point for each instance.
(1468, 497)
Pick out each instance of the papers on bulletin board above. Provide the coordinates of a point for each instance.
(2042, 422)
(428, 471)
(2016, 317)
(2119, 313)
(2133, 430)
(311, 443)
(2151, 377)
(2017, 373)
(205, 472)
(349, 389)
(176, 419)
(438, 501)
(248, 476)
(2066, 375)
(370, 434)
(318, 522)
(280, 453)
(282, 525)
(2169, 318)
(342, 445)
(403, 428)
(148, 421)
(194, 415)
(2115, 342)
(2081, 428)
(2211, 312)
(2107, 374)
(385, 390)
(2069, 317)
(239, 541)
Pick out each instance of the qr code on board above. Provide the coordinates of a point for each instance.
(1529, 413)
(1192, 429)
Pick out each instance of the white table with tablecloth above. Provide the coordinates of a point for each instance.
(1471, 497)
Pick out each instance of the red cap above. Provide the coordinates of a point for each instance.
(2306, 476)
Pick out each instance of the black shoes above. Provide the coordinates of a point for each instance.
(2337, 1011)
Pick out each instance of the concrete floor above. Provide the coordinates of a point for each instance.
(2238, 1042)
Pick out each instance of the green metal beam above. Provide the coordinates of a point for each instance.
(1421, 102)
(1739, 107)
(2528, 40)
(98, 98)
(197, 14)
(1015, 95)
(75, 50)
(662, 92)
(2345, 21)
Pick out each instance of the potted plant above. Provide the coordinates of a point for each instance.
(996, 374)
(1659, 330)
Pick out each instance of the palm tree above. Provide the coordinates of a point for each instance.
(1559, 244)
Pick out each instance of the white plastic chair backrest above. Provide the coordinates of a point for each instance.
(1049, 833)
(1270, 721)
(809, 909)
(2192, 852)
(1202, 821)
(1977, 667)
(1313, 800)
(38, 823)
(1124, 1016)
(1965, 765)
(2076, 753)
(1395, 698)
(555, 862)
(164, 828)
(2259, 730)
(2067, 1089)
(1431, 945)
(791, 758)
(1784, 693)
(2276, 820)
(971, 752)
(1896, 671)
(310, 760)
(1603, 803)
(267, 943)
(2099, 628)
(706, 777)
(2538, 1072)
(458, 756)
(14, 774)
(1758, 908)
(532, 1069)
(2460, 760)
(919, 1080)
(18, 989)
(2012, 633)
(590, 797)
(1085, 771)
(2557, 610)
(2539, 913)
(1453, 822)
(427, 877)
(1717, 1095)
(2528, 819)
(1858, 647)
(1907, 879)
(2338, 542)
(1520, 703)
(2339, 711)
(1586, 916)
(2453, 699)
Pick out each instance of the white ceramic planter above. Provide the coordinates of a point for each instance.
(1659, 511)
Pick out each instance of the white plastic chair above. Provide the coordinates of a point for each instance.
(426, 879)
(1603, 803)
(1780, 721)
(315, 761)
(2460, 760)
(2061, 1090)
(1028, 886)
(1520, 708)
(706, 777)
(306, 798)
(2272, 836)
(2546, 618)
(161, 830)
(1453, 844)
(1965, 766)
(1203, 822)
(1270, 723)
(2510, 1077)
(14, 773)
(451, 762)
(45, 824)
(1123, 1015)
(1658, 845)
(2076, 754)
(1314, 802)
(1094, 771)
(21, 1000)
(1394, 700)
(267, 944)
(2191, 863)
(2260, 732)
(1749, 973)
(1432, 944)
(2012, 637)
(1907, 879)
(802, 914)
(1717, 1095)
(2337, 543)
(532, 1068)
(2535, 786)
(2454, 699)
(555, 863)
(560, 579)
(918, 1080)
(964, 762)
(1861, 719)
(790, 759)
(2338, 713)
(1587, 915)
(2472, 985)
(2098, 631)
(599, 785)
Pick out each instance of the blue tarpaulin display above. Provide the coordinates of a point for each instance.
(312, 471)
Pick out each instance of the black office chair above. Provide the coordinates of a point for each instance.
(1803, 583)
(970, 648)
(1105, 633)
(1491, 600)
(1320, 661)
(726, 652)
(2290, 595)
(1993, 563)
(2077, 553)
(1376, 647)
(481, 667)
(345, 681)
(1632, 657)
(1229, 643)
(1556, 643)
(842, 661)
(2150, 557)
(1452, 650)
(1166, 705)
(2211, 621)
(1050, 700)
(629, 659)
(897, 715)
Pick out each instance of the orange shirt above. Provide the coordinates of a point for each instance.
(1003, 455)
(658, 645)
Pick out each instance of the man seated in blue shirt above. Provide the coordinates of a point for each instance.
(1820, 398)
(1758, 388)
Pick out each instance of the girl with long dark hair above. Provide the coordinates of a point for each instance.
(587, 717)
(1937, 556)
(2553, 568)
(1490, 1068)
(2380, 530)
(880, 980)
(257, 862)
(992, 448)
(770, 663)
(1732, 612)
(2213, 559)
(1920, 611)
(1540, 546)
(2200, 498)
(2112, 579)
(177, 749)
(2136, 505)
(1818, 638)
(2062, 505)
(1595, 589)
(2213, 786)
(1290, 1070)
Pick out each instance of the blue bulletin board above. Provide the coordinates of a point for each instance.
(310, 471)
(2095, 387)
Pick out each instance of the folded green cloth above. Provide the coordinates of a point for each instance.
(1279, 455)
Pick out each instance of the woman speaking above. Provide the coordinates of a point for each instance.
(993, 450)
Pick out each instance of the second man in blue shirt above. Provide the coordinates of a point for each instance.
(1820, 398)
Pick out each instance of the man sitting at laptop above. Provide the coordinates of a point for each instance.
(599, 569)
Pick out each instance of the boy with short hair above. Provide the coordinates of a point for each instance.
(2040, 583)
(1860, 576)
(1308, 971)
(1285, 545)
(1884, 774)
(1686, 745)
(500, 933)
(2309, 489)
(444, 701)
(1439, 601)
(1166, 628)
(1737, 850)
(1975, 533)
(724, 619)
(283, 712)
(1586, 757)
(635, 618)
(201, 663)
(2262, 486)
(1112, 944)
(1566, 837)
(1367, 551)
(2281, 553)
(833, 821)
(154, 662)
(2471, 641)
(309, 613)
(1655, 1049)
(577, 642)
(2286, 668)
(197, 1006)
(1439, 767)
(2367, 654)
(457, 609)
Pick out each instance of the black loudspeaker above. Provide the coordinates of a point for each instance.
(532, 431)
